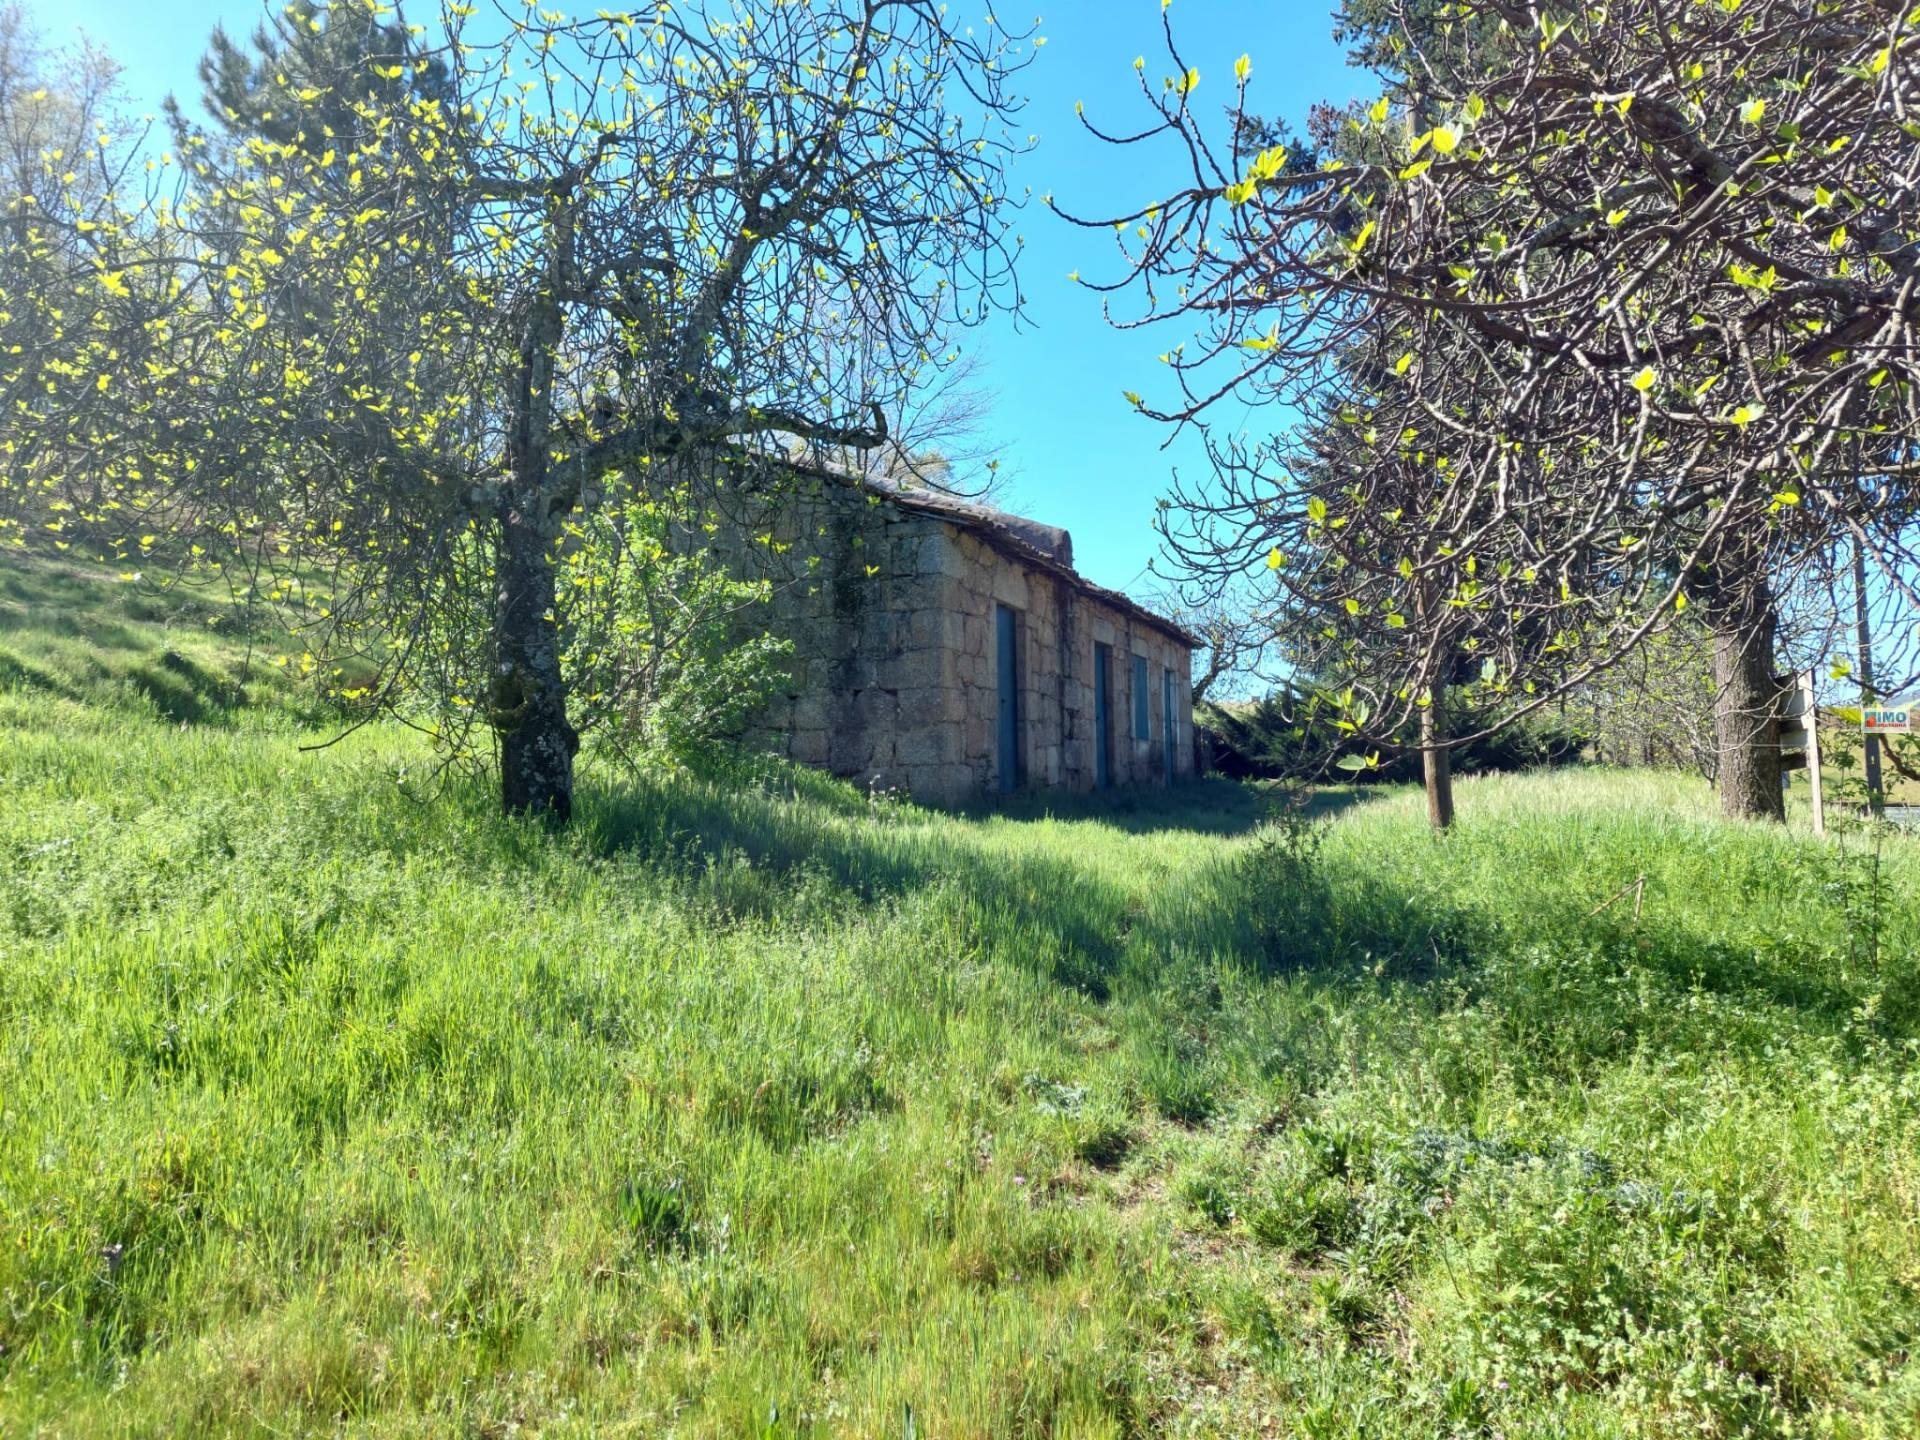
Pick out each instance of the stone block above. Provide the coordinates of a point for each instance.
(880, 630)
(928, 705)
(810, 747)
(846, 750)
(934, 627)
(932, 785)
(931, 745)
(940, 557)
(1009, 586)
(778, 713)
(921, 670)
(979, 737)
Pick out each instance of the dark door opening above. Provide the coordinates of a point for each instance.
(1169, 731)
(1102, 716)
(1007, 628)
(1142, 723)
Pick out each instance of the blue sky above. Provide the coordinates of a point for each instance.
(1077, 454)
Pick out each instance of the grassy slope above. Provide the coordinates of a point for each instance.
(325, 1110)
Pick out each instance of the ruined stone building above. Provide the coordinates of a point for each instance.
(950, 650)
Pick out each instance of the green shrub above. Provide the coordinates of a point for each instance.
(664, 645)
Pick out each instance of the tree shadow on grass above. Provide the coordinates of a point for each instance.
(1200, 807)
(1054, 913)
(1576, 986)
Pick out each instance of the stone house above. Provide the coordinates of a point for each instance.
(950, 650)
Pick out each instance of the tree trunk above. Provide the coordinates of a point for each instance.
(1746, 693)
(1436, 760)
(529, 694)
(529, 697)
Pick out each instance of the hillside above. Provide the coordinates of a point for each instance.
(334, 1104)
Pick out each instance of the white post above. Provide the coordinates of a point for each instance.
(1812, 721)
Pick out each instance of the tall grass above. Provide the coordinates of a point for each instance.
(753, 1106)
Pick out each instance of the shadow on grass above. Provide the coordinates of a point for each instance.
(1574, 988)
(1056, 914)
(1199, 807)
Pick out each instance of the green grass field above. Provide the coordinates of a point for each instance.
(332, 1104)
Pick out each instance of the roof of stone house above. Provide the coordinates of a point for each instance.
(1047, 547)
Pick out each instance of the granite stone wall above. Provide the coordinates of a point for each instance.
(895, 680)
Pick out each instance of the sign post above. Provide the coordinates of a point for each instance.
(1811, 719)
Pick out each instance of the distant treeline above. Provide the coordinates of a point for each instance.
(1286, 736)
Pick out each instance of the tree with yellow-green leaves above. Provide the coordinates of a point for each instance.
(1600, 316)
(433, 295)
